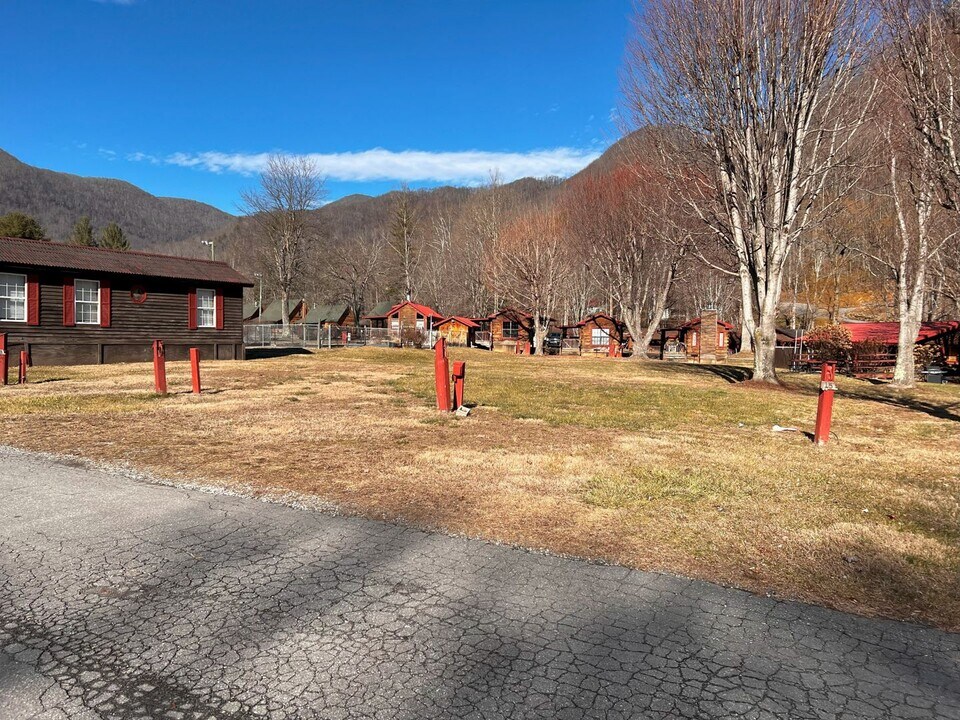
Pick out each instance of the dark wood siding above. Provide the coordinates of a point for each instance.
(133, 326)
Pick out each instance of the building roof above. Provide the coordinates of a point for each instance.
(696, 321)
(427, 312)
(327, 313)
(46, 254)
(594, 316)
(272, 313)
(887, 333)
(250, 311)
(511, 313)
(467, 322)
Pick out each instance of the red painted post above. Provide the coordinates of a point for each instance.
(526, 348)
(4, 359)
(828, 376)
(441, 370)
(24, 361)
(195, 369)
(159, 368)
(612, 349)
(459, 376)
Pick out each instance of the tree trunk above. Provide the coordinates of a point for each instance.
(285, 309)
(904, 372)
(765, 349)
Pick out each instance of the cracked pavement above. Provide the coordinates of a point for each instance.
(125, 599)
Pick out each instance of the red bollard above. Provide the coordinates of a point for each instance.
(612, 349)
(24, 361)
(526, 348)
(459, 376)
(4, 359)
(159, 368)
(441, 370)
(195, 369)
(828, 376)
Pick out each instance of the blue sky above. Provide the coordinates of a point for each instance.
(187, 97)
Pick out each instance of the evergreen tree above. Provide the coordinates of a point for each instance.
(112, 237)
(19, 225)
(82, 232)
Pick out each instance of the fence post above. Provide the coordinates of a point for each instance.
(441, 370)
(329, 342)
(24, 361)
(195, 369)
(159, 368)
(4, 359)
(828, 376)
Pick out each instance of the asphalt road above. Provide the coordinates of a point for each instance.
(124, 599)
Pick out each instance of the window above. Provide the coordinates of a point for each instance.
(599, 336)
(720, 342)
(693, 338)
(420, 322)
(206, 308)
(86, 302)
(511, 329)
(13, 297)
(395, 323)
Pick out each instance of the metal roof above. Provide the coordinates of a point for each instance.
(46, 254)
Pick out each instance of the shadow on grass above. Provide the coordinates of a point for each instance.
(945, 411)
(265, 353)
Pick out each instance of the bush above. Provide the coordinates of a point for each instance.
(832, 342)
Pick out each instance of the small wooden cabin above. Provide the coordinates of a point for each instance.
(599, 330)
(272, 314)
(458, 330)
(406, 316)
(68, 304)
(508, 327)
(337, 314)
(704, 339)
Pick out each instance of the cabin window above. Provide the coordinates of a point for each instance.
(395, 323)
(511, 329)
(86, 302)
(720, 342)
(13, 297)
(693, 338)
(420, 322)
(599, 336)
(206, 308)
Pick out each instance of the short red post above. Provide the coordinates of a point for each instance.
(828, 385)
(4, 359)
(526, 348)
(195, 369)
(459, 376)
(441, 370)
(612, 349)
(159, 368)
(24, 361)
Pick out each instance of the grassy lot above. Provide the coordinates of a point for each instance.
(656, 466)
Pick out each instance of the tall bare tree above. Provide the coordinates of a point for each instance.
(280, 209)
(766, 99)
(353, 265)
(530, 261)
(404, 240)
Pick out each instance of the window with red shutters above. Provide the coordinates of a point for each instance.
(33, 300)
(192, 309)
(69, 316)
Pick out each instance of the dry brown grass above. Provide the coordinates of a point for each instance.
(655, 466)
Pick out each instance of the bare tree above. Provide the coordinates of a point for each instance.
(762, 95)
(484, 219)
(280, 209)
(353, 266)
(530, 260)
(631, 236)
(403, 239)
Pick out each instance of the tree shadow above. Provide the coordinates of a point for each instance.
(267, 353)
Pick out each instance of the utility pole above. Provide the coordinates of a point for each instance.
(259, 277)
(213, 248)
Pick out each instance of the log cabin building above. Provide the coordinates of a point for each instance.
(508, 328)
(70, 305)
(599, 330)
(406, 316)
(457, 330)
(704, 339)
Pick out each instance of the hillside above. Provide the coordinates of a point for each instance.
(57, 199)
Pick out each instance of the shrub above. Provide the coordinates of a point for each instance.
(831, 342)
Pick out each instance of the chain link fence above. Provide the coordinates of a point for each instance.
(312, 335)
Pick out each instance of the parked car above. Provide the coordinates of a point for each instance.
(552, 343)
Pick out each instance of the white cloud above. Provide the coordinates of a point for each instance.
(404, 166)
(115, 2)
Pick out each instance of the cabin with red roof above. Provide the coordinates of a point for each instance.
(70, 304)
(875, 343)
(408, 323)
(458, 330)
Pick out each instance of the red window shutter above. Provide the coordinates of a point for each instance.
(69, 309)
(192, 309)
(33, 300)
(218, 295)
(105, 297)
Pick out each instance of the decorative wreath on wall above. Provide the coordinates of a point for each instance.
(138, 294)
